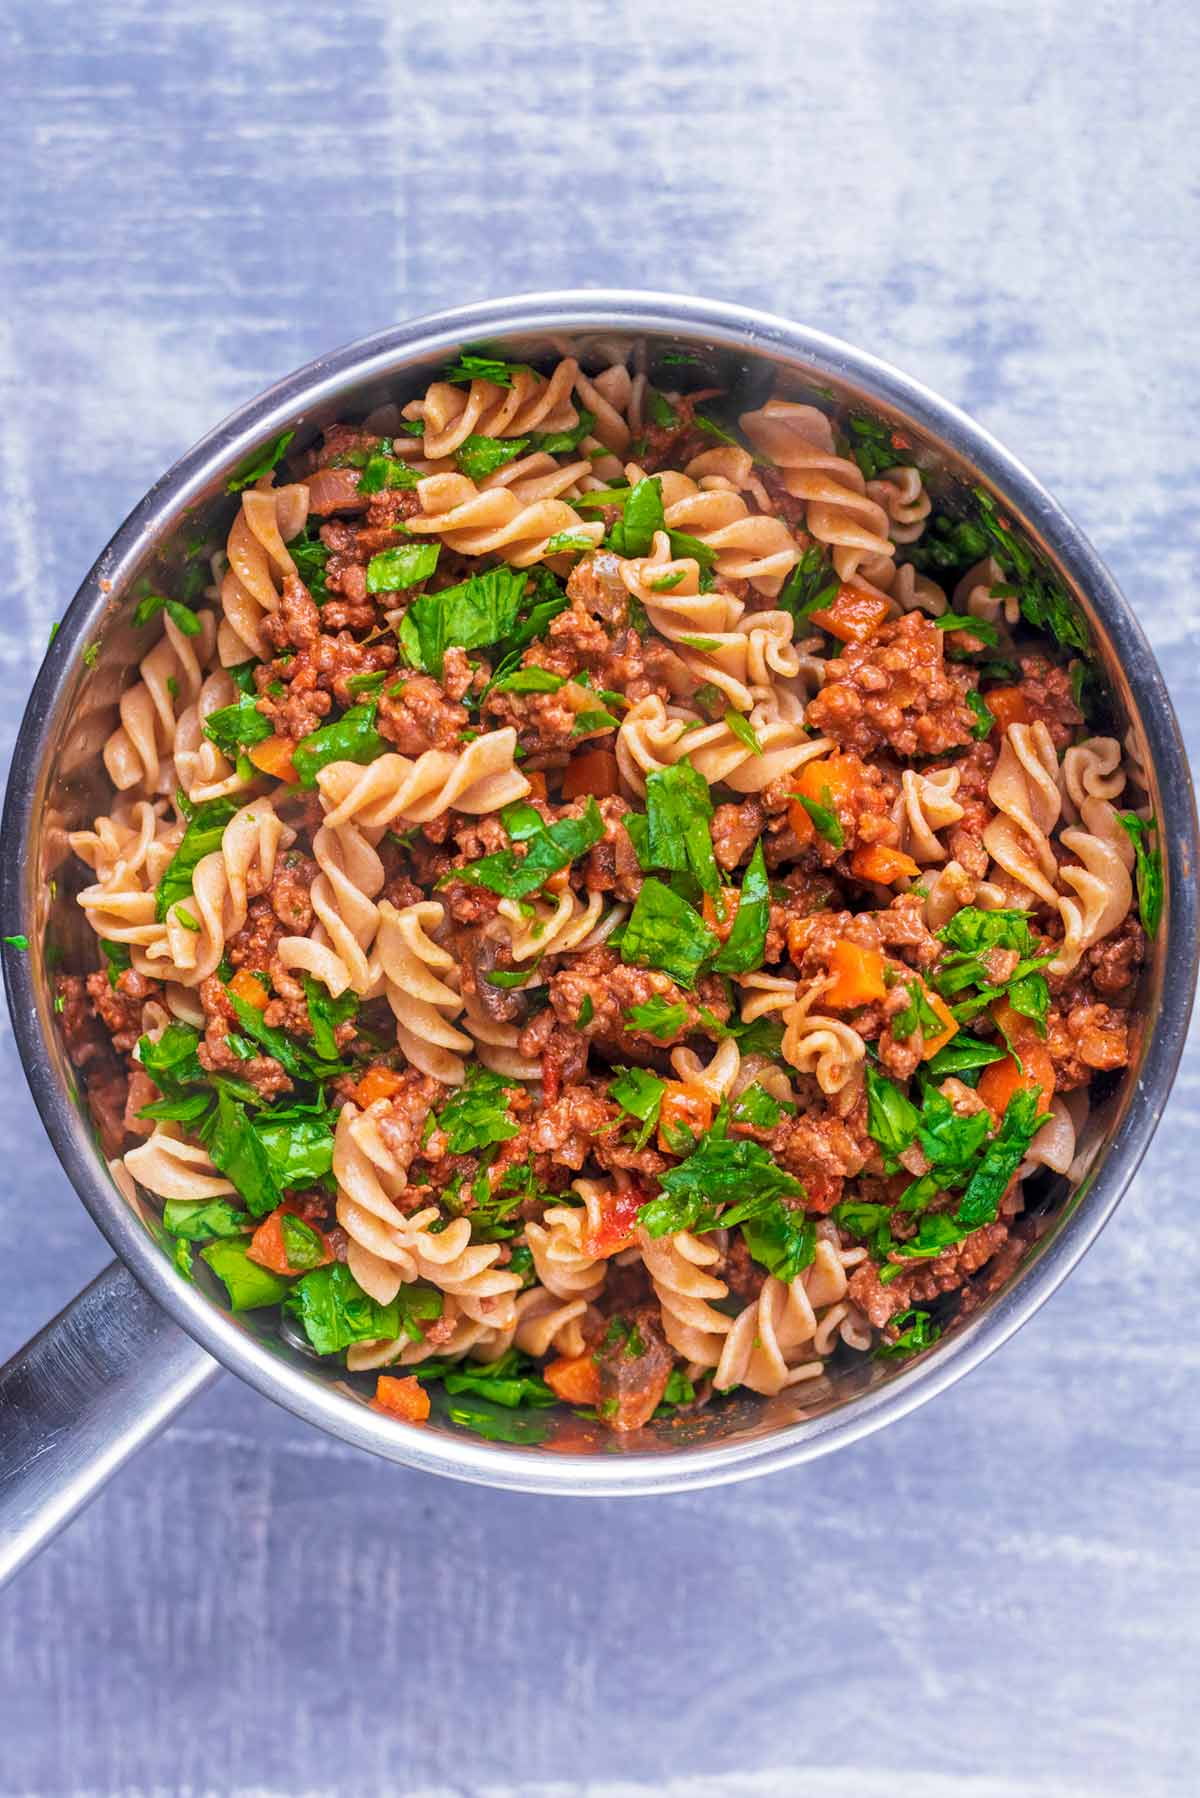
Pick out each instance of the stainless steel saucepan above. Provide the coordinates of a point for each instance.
(120, 1361)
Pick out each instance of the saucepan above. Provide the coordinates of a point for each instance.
(121, 1360)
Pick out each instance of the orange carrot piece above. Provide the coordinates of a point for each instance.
(593, 772)
(274, 757)
(934, 1043)
(268, 1248)
(377, 1083)
(858, 975)
(1001, 1079)
(575, 1378)
(682, 1105)
(875, 862)
(854, 615)
(1007, 705)
(250, 989)
(537, 785)
(405, 1398)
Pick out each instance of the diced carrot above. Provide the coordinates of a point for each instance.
(613, 1230)
(682, 1105)
(249, 989)
(829, 782)
(1007, 705)
(1001, 1079)
(854, 615)
(274, 757)
(405, 1398)
(537, 785)
(934, 1043)
(858, 975)
(268, 1248)
(575, 1378)
(377, 1083)
(595, 772)
(874, 862)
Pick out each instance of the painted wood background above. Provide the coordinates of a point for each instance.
(998, 1597)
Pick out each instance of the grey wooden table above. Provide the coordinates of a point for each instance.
(995, 1599)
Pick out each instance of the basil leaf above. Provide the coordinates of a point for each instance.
(811, 587)
(529, 680)
(325, 1013)
(479, 1112)
(825, 819)
(292, 1057)
(233, 727)
(744, 731)
(920, 1334)
(237, 1152)
(744, 947)
(351, 738)
(311, 557)
(962, 1055)
(891, 1117)
(640, 1093)
(394, 570)
(1149, 869)
(202, 837)
(384, 472)
(737, 1172)
(480, 611)
(299, 1149)
(678, 814)
(483, 368)
(479, 457)
(664, 931)
(250, 1287)
(172, 1061)
(510, 1382)
(781, 1240)
(260, 463)
(950, 1142)
(303, 1247)
(552, 848)
(1002, 1157)
(633, 535)
(658, 1017)
(199, 1220)
(917, 1013)
(334, 1311)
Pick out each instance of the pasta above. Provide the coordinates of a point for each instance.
(578, 912)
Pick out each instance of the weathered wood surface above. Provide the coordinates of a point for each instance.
(996, 1598)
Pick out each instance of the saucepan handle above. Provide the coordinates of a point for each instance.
(77, 1401)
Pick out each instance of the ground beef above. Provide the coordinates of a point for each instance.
(1090, 1038)
(318, 672)
(567, 1128)
(741, 1273)
(824, 1151)
(595, 584)
(141, 1091)
(401, 1125)
(612, 988)
(896, 691)
(1046, 690)
(735, 830)
(289, 892)
(612, 865)
(560, 1048)
(254, 945)
(119, 1007)
(923, 1281)
(90, 1050)
(415, 715)
(263, 1072)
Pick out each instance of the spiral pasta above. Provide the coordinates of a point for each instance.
(259, 562)
(772, 1342)
(1024, 789)
(450, 412)
(925, 806)
(650, 738)
(678, 1266)
(563, 1262)
(827, 1047)
(139, 751)
(424, 1004)
(496, 520)
(838, 510)
(173, 1169)
(480, 778)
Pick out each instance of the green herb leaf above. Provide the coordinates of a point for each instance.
(678, 815)
(325, 1013)
(479, 1113)
(493, 1422)
(964, 1055)
(1002, 1157)
(384, 472)
(738, 1173)
(529, 680)
(250, 1287)
(825, 819)
(640, 1093)
(206, 827)
(812, 585)
(334, 1311)
(873, 448)
(392, 570)
(483, 368)
(551, 847)
(1149, 869)
(951, 1142)
(891, 1117)
(510, 1382)
(259, 464)
(352, 738)
(232, 727)
(658, 1017)
(118, 957)
(479, 457)
(563, 541)
(744, 731)
(480, 611)
(633, 535)
(985, 719)
(978, 627)
(664, 931)
(311, 557)
(917, 1332)
(199, 1220)
(746, 943)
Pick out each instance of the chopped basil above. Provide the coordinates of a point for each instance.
(964, 1055)
(478, 612)
(640, 1093)
(917, 1332)
(529, 680)
(918, 1013)
(664, 931)
(250, 1287)
(478, 1114)
(985, 718)
(205, 828)
(891, 1115)
(334, 1311)
(812, 585)
(180, 615)
(679, 813)
(479, 457)
(510, 1382)
(199, 1220)
(484, 368)
(118, 957)
(395, 569)
(233, 727)
(746, 943)
(738, 1173)
(325, 1013)
(1149, 869)
(551, 847)
(1003, 1155)
(352, 738)
(260, 463)
(781, 1240)
(384, 472)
